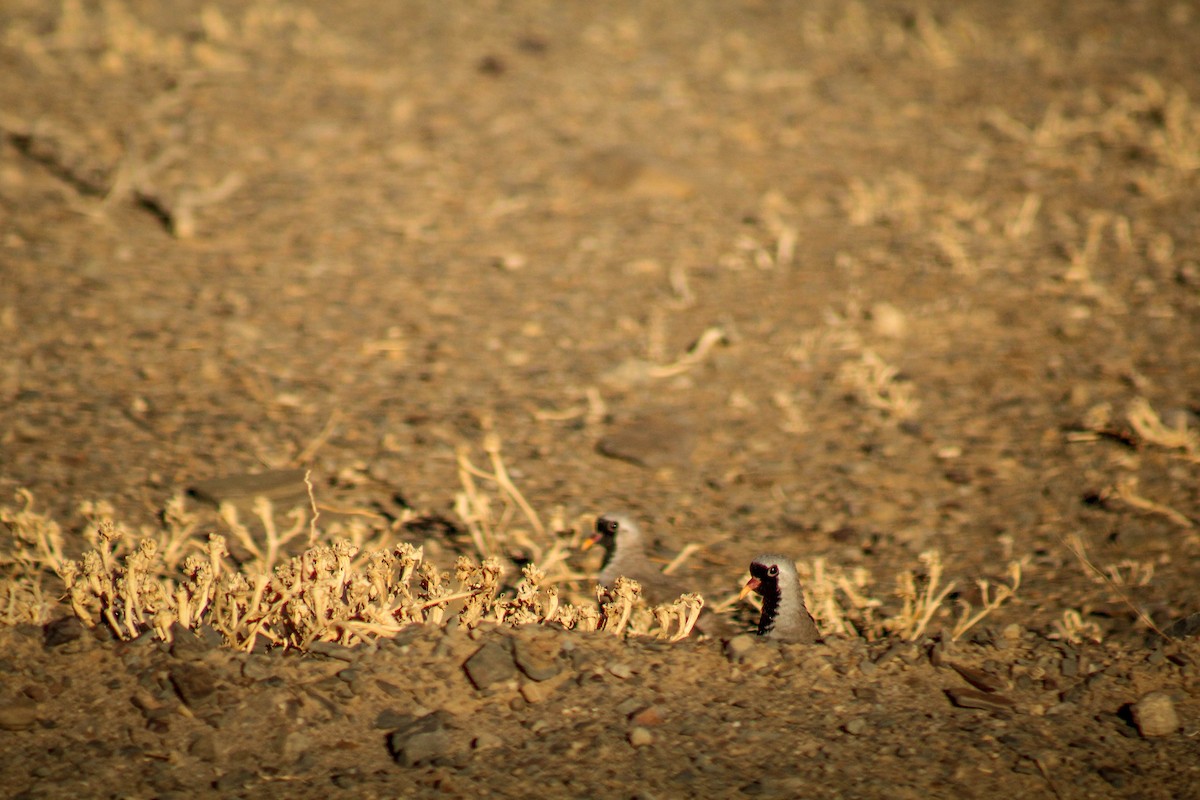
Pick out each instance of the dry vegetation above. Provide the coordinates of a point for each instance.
(909, 292)
(354, 583)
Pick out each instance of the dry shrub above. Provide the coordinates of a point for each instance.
(353, 584)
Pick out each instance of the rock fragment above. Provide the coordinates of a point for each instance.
(63, 630)
(193, 683)
(641, 737)
(537, 657)
(17, 716)
(421, 740)
(739, 646)
(278, 485)
(980, 679)
(651, 440)
(491, 664)
(973, 698)
(1155, 715)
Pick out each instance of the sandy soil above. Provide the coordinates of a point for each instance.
(853, 282)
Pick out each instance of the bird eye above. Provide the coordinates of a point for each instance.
(772, 570)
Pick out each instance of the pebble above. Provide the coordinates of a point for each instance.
(739, 646)
(486, 741)
(18, 716)
(185, 645)
(491, 664)
(193, 683)
(203, 746)
(973, 698)
(63, 630)
(1155, 715)
(630, 705)
(649, 717)
(333, 650)
(856, 726)
(538, 657)
(650, 440)
(421, 740)
(537, 692)
(620, 670)
(984, 681)
(280, 485)
(641, 737)
(390, 719)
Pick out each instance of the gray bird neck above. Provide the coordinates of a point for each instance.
(781, 609)
(624, 557)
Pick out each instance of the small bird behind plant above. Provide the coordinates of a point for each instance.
(625, 555)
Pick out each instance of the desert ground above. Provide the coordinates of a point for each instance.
(908, 292)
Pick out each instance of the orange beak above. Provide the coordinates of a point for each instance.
(751, 586)
(589, 542)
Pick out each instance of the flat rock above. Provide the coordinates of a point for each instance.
(63, 630)
(980, 679)
(421, 740)
(491, 664)
(538, 657)
(1155, 715)
(18, 716)
(973, 698)
(193, 683)
(653, 440)
(241, 489)
(739, 646)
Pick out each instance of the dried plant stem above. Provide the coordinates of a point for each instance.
(1075, 544)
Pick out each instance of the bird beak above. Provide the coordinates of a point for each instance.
(751, 586)
(589, 542)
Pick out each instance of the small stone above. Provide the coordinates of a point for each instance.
(63, 630)
(538, 657)
(641, 737)
(973, 698)
(421, 740)
(856, 726)
(866, 694)
(293, 744)
(630, 706)
(279, 485)
(888, 321)
(984, 681)
(185, 645)
(654, 440)
(486, 741)
(649, 717)
(1155, 715)
(390, 719)
(333, 650)
(535, 693)
(18, 716)
(193, 683)
(739, 646)
(620, 670)
(491, 664)
(203, 746)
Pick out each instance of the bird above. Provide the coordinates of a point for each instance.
(625, 555)
(784, 616)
